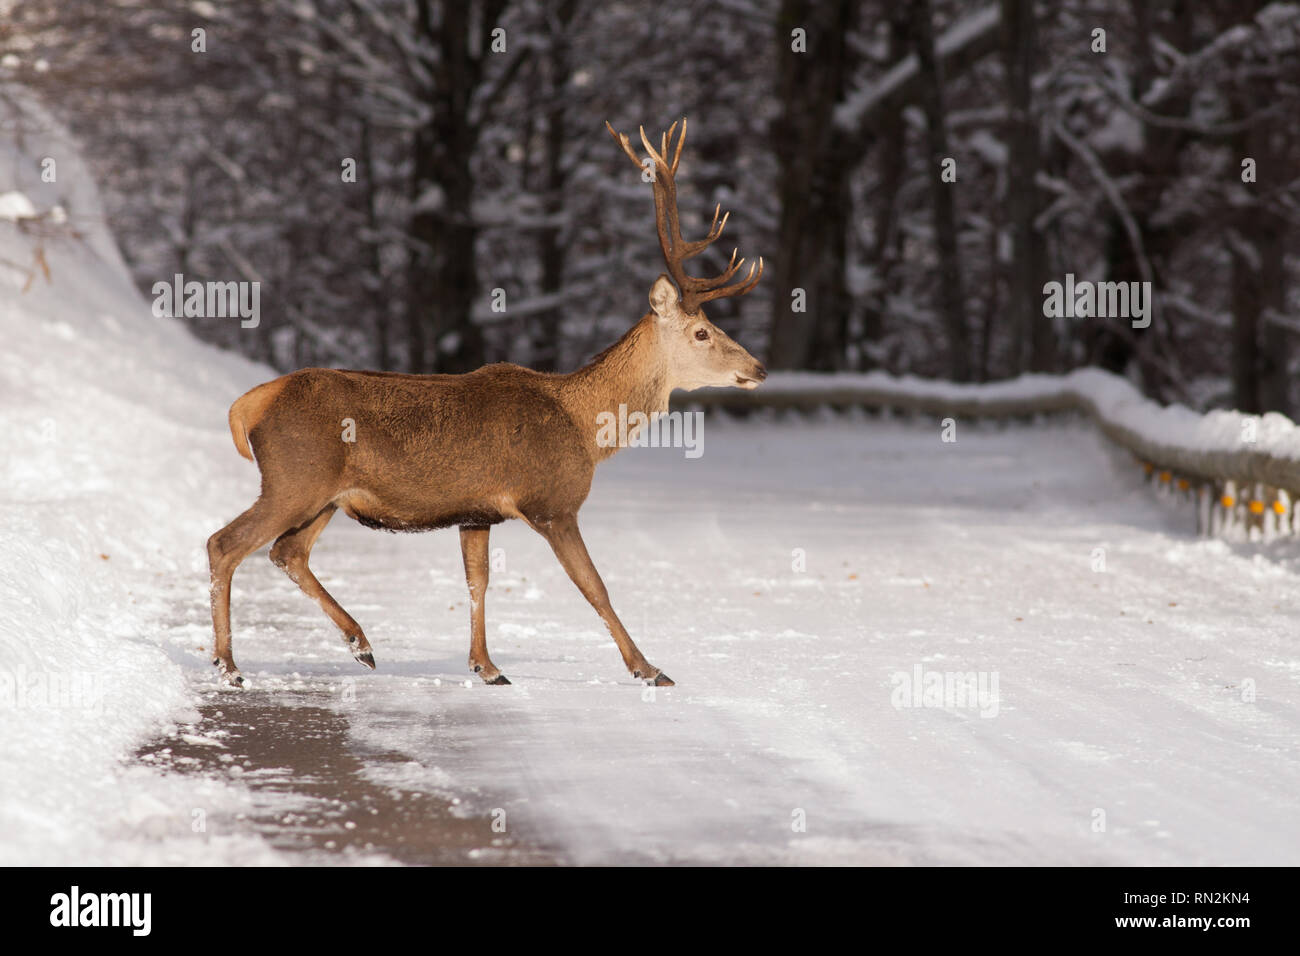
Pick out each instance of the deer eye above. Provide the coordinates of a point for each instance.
(702, 334)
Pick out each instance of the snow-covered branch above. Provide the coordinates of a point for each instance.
(966, 40)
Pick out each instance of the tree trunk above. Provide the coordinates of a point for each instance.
(813, 187)
(1033, 331)
(1246, 306)
(552, 239)
(891, 161)
(383, 316)
(1275, 340)
(442, 277)
(1262, 347)
(951, 295)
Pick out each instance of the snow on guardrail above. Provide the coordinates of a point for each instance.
(1239, 469)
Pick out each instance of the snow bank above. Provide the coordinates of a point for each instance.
(114, 422)
(1216, 446)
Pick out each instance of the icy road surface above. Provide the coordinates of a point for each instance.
(1138, 686)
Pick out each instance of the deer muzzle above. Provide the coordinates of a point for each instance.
(753, 378)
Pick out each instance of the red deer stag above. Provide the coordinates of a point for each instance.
(431, 451)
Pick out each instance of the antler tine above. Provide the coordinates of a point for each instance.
(704, 285)
(681, 141)
(621, 139)
(739, 288)
(714, 231)
(692, 249)
(664, 140)
(645, 141)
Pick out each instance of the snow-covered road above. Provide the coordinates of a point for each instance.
(788, 580)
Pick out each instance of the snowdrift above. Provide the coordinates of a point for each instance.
(116, 467)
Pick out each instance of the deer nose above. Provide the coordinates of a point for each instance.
(760, 371)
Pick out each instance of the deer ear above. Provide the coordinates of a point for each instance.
(663, 297)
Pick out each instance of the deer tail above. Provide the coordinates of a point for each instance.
(248, 411)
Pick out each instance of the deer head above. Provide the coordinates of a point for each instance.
(696, 352)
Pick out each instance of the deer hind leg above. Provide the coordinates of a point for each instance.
(290, 553)
(565, 540)
(474, 549)
(226, 549)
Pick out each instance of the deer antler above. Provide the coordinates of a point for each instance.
(695, 291)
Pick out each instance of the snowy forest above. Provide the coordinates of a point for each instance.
(428, 186)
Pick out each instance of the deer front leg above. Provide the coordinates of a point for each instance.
(474, 549)
(566, 542)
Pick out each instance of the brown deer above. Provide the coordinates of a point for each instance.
(430, 451)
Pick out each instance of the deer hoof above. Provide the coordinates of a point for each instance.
(231, 677)
(365, 657)
(662, 680)
(498, 681)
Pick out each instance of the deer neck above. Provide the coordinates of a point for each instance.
(629, 377)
